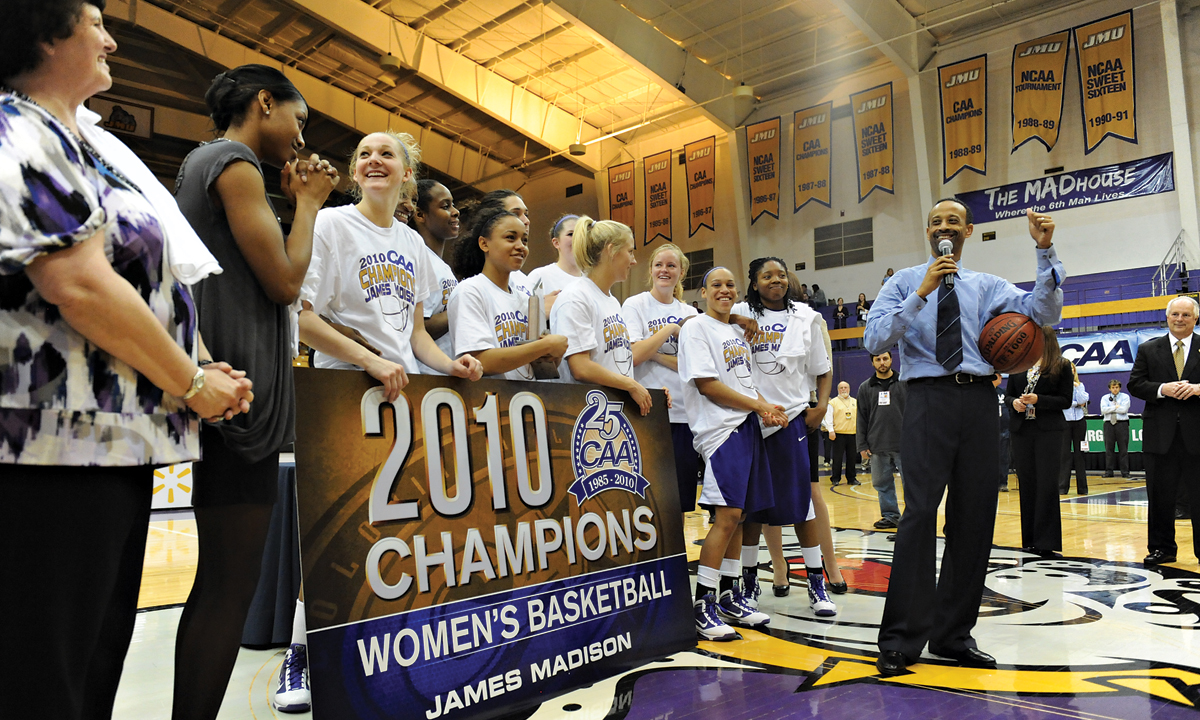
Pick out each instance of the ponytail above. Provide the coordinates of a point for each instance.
(593, 238)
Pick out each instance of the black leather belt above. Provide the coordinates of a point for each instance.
(955, 379)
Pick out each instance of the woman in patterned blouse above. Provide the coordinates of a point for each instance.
(100, 372)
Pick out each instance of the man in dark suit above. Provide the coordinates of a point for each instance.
(1166, 374)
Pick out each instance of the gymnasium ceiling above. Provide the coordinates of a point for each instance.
(496, 90)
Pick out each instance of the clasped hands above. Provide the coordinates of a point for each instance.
(1180, 389)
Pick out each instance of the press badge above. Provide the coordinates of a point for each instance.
(885, 398)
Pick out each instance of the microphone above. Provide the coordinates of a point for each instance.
(945, 247)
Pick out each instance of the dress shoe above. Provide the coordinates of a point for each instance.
(835, 483)
(885, 524)
(1182, 514)
(1158, 557)
(853, 482)
(781, 590)
(891, 663)
(1004, 488)
(891, 537)
(1108, 474)
(968, 657)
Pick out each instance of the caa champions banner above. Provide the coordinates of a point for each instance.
(1105, 50)
(620, 193)
(658, 197)
(1039, 69)
(872, 110)
(963, 88)
(762, 150)
(811, 139)
(474, 548)
(700, 161)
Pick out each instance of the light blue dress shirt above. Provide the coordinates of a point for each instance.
(1079, 402)
(901, 315)
(1114, 409)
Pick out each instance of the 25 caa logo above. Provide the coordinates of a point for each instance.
(605, 454)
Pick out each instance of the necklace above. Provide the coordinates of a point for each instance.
(84, 145)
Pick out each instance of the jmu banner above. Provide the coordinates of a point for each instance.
(658, 197)
(762, 151)
(963, 88)
(1039, 69)
(872, 111)
(700, 161)
(1105, 50)
(471, 549)
(620, 193)
(1147, 176)
(811, 143)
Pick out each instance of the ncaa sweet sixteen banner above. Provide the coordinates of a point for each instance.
(473, 548)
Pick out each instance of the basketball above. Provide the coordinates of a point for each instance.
(1011, 343)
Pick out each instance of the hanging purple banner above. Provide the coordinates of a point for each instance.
(1147, 176)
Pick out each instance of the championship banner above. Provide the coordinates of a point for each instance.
(658, 197)
(872, 111)
(1039, 69)
(814, 161)
(700, 162)
(963, 89)
(620, 193)
(472, 549)
(1105, 50)
(762, 151)
(1147, 176)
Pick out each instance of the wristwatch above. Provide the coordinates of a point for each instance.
(197, 384)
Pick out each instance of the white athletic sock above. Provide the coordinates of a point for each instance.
(812, 558)
(749, 556)
(730, 567)
(299, 628)
(708, 577)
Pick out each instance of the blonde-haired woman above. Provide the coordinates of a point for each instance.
(598, 349)
(654, 319)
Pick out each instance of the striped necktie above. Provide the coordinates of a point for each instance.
(1179, 359)
(949, 329)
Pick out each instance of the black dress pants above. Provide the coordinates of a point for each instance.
(72, 545)
(1073, 457)
(951, 441)
(1116, 435)
(1168, 474)
(845, 448)
(1038, 454)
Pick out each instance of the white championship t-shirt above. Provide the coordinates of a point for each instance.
(368, 278)
(482, 317)
(442, 282)
(553, 278)
(788, 353)
(709, 348)
(592, 322)
(644, 316)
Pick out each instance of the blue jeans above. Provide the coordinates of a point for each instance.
(883, 465)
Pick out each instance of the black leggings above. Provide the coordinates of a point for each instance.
(230, 559)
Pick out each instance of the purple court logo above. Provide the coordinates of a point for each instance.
(604, 451)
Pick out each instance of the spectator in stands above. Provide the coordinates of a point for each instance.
(1114, 408)
(880, 400)
(862, 308)
(1076, 431)
(887, 276)
(842, 419)
(840, 315)
(818, 297)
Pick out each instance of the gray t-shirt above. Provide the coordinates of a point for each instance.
(238, 322)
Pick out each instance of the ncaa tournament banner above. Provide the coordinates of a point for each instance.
(1105, 50)
(814, 161)
(658, 197)
(872, 110)
(620, 193)
(700, 162)
(963, 89)
(1135, 178)
(762, 152)
(1105, 352)
(472, 549)
(1039, 69)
